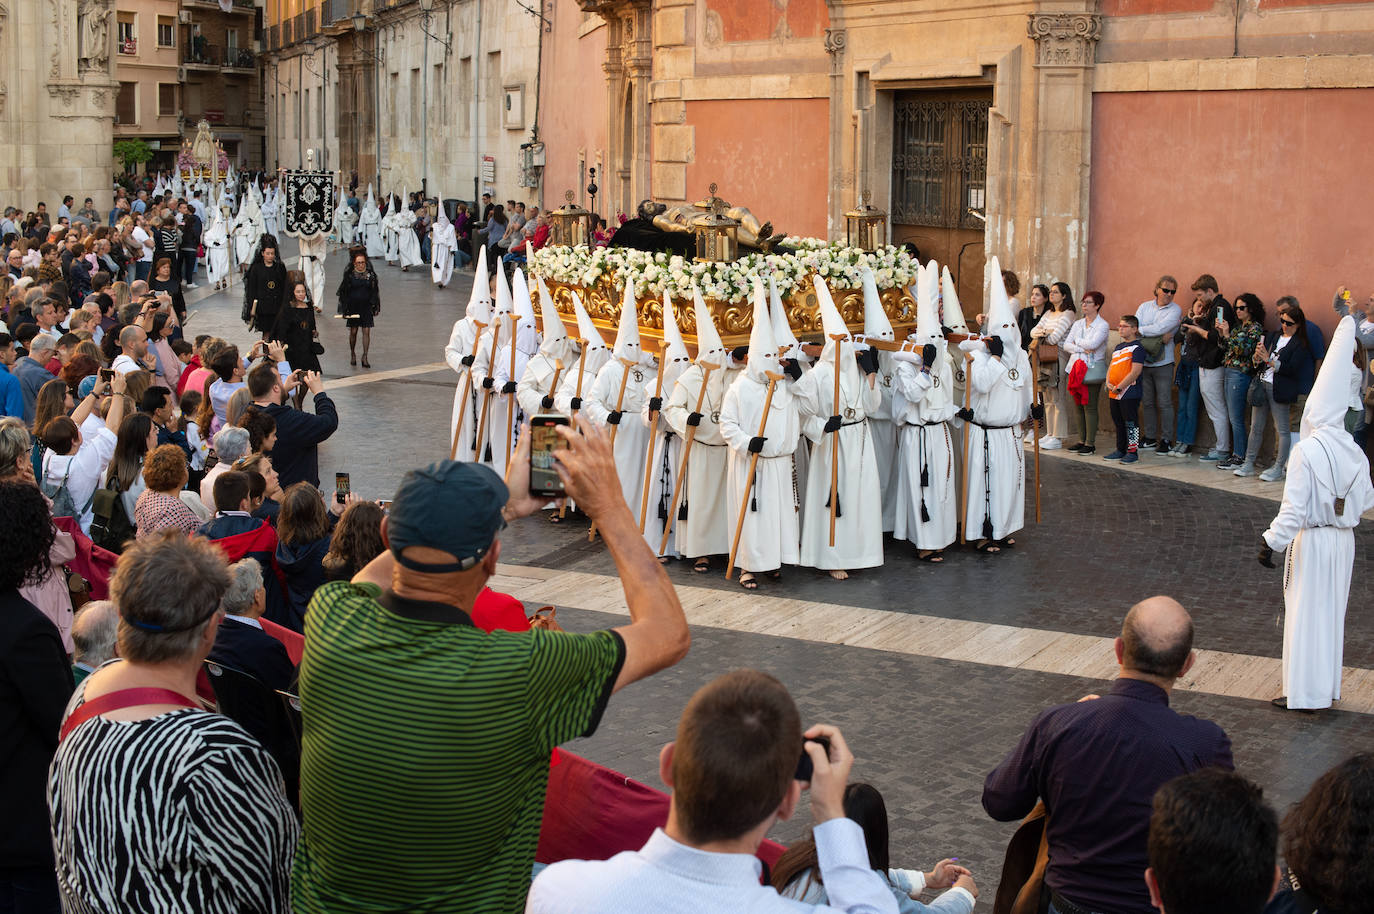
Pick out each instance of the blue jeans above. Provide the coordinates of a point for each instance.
(1237, 385)
(1189, 399)
(461, 258)
(141, 269)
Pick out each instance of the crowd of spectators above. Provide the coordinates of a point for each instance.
(413, 676)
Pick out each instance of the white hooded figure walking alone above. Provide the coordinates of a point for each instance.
(442, 243)
(370, 227)
(407, 242)
(701, 525)
(618, 394)
(770, 535)
(923, 405)
(666, 444)
(216, 241)
(998, 376)
(1324, 494)
(839, 427)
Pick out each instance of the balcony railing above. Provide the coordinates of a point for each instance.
(332, 11)
(273, 38)
(201, 53)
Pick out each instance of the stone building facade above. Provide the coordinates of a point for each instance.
(148, 54)
(1099, 142)
(219, 77)
(402, 95)
(57, 101)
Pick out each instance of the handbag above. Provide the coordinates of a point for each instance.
(1097, 372)
(317, 347)
(545, 617)
(1153, 346)
(1256, 395)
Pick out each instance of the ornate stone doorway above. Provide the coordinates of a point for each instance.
(939, 180)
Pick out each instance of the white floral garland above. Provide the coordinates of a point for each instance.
(656, 273)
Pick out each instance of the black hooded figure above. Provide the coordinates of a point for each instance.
(264, 283)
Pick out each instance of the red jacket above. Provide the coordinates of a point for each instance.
(536, 241)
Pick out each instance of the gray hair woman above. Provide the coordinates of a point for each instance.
(156, 803)
(231, 444)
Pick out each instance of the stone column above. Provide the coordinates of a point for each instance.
(840, 175)
(1065, 49)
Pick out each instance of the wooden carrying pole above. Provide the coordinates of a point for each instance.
(653, 432)
(626, 365)
(963, 491)
(773, 379)
(706, 369)
(467, 391)
(835, 444)
(486, 392)
(510, 398)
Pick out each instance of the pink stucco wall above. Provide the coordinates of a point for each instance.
(572, 101)
(1268, 190)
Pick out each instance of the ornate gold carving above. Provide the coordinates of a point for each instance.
(1064, 39)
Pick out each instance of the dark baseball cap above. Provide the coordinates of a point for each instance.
(451, 506)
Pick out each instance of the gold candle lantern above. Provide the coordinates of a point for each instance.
(571, 225)
(717, 234)
(864, 226)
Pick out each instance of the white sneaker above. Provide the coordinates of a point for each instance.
(190, 285)
(1273, 474)
(1050, 443)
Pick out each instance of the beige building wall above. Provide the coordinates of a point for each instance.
(56, 103)
(150, 62)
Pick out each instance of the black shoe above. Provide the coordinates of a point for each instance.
(1076, 448)
(1164, 447)
(1086, 451)
(1148, 442)
(1282, 704)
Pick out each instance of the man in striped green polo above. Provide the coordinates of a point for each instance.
(427, 741)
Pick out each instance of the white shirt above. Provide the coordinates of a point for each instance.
(84, 470)
(665, 877)
(1282, 341)
(246, 620)
(1157, 321)
(143, 238)
(123, 364)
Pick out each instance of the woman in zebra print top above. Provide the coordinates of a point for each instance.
(158, 806)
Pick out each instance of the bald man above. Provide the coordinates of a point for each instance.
(1097, 763)
(133, 346)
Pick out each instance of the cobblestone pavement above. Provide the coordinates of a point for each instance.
(926, 731)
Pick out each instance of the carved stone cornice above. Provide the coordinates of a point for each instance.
(835, 41)
(1065, 39)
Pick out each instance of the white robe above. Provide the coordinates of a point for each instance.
(858, 520)
(504, 435)
(662, 475)
(216, 241)
(927, 441)
(269, 217)
(463, 342)
(771, 533)
(370, 226)
(1321, 556)
(597, 356)
(247, 231)
(632, 439)
(1001, 402)
(883, 431)
(345, 221)
(313, 251)
(706, 528)
(537, 380)
(392, 236)
(408, 243)
(441, 247)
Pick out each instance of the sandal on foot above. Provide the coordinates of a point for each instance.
(1007, 543)
(747, 581)
(931, 555)
(838, 574)
(702, 566)
(989, 546)
(555, 518)
(776, 575)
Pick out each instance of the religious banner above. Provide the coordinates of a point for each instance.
(309, 208)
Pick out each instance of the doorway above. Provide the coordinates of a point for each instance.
(939, 181)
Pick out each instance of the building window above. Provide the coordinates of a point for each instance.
(440, 95)
(939, 158)
(415, 101)
(305, 115)
(128, 33)
(126, 105)
(166, 32)
(166, 99)
(395, 103)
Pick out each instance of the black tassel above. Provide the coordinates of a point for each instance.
(987, 528)
(682, 511)
(754, 503)
(838, 512)
(925, 515)
(925, 477)
(662, 511)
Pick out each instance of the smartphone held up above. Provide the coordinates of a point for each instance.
(545, 442)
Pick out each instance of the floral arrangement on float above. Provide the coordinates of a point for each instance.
(598, 275)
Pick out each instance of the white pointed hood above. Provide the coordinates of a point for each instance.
(788, 347)
(627, 332)
(526, 333)
(832, 323)
(674, 356)
(596, 343)
(441, 218)
(709, 345)
(552, 328)
(1000, 320)
(939, 398)
(876, 324)
(1330, 395)
(479, 302)
(951, 311)
(371, 205)
(763, 346)
(503, 304)
(928, 329)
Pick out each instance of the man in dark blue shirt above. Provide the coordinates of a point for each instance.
(1097, 763)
